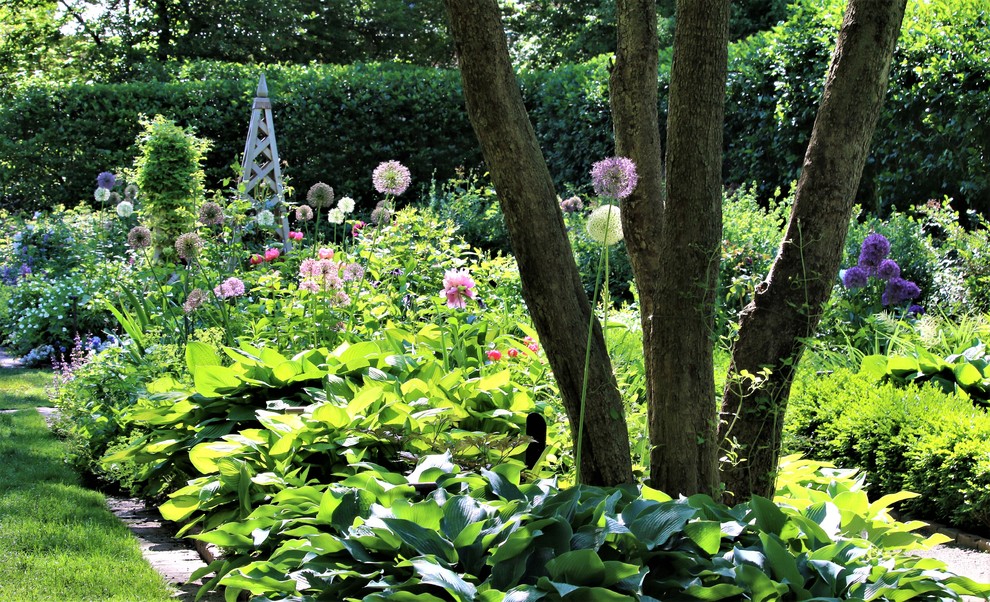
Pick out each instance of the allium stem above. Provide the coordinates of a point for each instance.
(602, 262)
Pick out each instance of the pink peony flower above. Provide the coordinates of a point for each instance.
(494, 355)
(512, 352)
(458, 284)
(272, 254)
(531, 344)
(295, 235)
(325, 253)
(257, 259)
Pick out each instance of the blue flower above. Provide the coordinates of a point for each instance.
(106, 180)
(874, 249)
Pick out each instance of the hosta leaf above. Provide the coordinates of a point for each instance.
(578, 567)
(706, 534)
(459, 512)
(424, 541)
(874, 366)
(401, 596)
(616, 572)
(827, 515)
(431, 572)
(719, 591)
(425, 513)
(967, 375)
(783, 564)
(494, 381)
(179, 508)
(215, 381)
(332, 415)
(654, 527)
(200, 354)
(259, 578)
(767, 515)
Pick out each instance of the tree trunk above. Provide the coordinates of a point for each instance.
(673, 233)
(550, 282)
(164, 30)
(788, 304)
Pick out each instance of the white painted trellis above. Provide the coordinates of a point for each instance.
(261, 170)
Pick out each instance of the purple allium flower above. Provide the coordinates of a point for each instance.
(139, 237)
(352, 271)
(916, 310)
(194, 300)
(381, 214)
(189, 245)
(391, 177)
(898, 291)
(571, 205)
(854, 277)
(304, 213)
(614, 177)
(231, 287)
(106, 180)
(211, 214)
(888, 269)
(320, 195)
(875, 248)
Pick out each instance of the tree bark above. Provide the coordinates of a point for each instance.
(674, 228)
(788, 304)
(550, 281)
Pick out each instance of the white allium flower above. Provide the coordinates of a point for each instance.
(265, 218)
(346, 204)
(101, 195)
(125, 209)
(605, 225)
(336, 216)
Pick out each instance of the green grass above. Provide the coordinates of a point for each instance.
(24, 388)
(58, 540)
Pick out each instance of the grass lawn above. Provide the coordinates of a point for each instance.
(24, 388)
(58, 540)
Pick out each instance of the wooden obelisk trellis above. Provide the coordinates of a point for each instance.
(260, 170)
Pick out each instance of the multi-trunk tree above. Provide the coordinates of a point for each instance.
(672, 225)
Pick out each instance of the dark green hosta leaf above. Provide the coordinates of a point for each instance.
(424, 541)
(575, 593)
(783, 564)
(459, 512)
(401, 596)
(579, 567)
(767, 515)
(430, 571)
(654, 527)
(719, 591)
(260, 578)
(502, 487)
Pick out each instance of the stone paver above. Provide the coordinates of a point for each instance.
(171, 557)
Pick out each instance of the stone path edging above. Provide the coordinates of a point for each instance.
(174, 558)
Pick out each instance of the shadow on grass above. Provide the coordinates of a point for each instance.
(59, 541)
(22, 388)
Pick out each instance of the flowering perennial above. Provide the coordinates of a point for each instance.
(304, 213)
(614, 177)
(189, 245)
(139, 237)
(605, 225)
(391, 177)
(125, 209)
(194, 300)
(572, 205)
(106, 180)
(320, 195)
(346, 204)
(231, 287)
(873, 262)
(102, 195)
(458, 286)
(265, 218)
(211, 214)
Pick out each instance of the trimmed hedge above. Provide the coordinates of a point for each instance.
(914, 438)
(335, 123)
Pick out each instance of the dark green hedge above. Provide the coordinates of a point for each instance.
(335, 123)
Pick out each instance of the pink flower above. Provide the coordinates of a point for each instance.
(272, 254)
(231, 287)
(494, 355)
(531, 344)
(295, 235)
(356, 229)
(256, 259)
(512, 352)
(457, 284)
(325, 253)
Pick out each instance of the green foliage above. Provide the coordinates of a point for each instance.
(169, 175)
(491, 536)
(469, 201)
(917, 438)
(931, 132)
(965, 373)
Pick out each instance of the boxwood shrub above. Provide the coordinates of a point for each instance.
(915, 438)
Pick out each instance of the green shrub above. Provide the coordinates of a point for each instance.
(903, 437)
(169, 175)
(470, 202)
